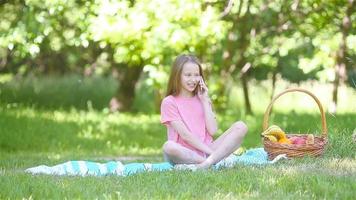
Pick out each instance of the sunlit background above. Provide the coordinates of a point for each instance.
(121, 51)
(84, 79)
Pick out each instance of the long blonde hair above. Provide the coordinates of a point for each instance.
(174, 82)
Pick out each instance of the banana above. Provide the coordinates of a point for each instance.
(284, 141)
(275, 131)
(276, 134)
(271, 137)
(271, 128)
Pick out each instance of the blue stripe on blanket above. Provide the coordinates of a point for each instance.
(133, 168)
(111, 167)
(93, 168)
(75, 167)
(256, 156)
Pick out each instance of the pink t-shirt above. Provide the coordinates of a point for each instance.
(190, 111)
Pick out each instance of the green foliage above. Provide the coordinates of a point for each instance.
(147, 31)
(43, 36)
(297, 40)
(303, 37)
(149, 34)
(352, 78)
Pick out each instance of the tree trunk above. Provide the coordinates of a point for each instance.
(242, 46)
(236, 47)
(125, 95)
(340, 67)
(274, 80)
(228, 67)
(246, 94)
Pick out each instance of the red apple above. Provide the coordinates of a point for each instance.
(297, 140)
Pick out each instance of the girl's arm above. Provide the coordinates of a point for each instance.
(188, 137)
(210, 119)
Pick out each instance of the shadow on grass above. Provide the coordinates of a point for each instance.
(39, 134)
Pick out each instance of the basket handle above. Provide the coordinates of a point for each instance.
(323, 120)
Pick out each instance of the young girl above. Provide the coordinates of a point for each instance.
(187, 113)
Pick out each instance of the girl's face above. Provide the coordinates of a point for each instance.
(190, 78)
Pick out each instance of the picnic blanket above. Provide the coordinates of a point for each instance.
(257, 156)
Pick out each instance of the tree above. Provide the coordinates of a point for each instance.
(329, 27)
(340, 66)
(78, 36)
(151, 33)
(250, 40)
(45, 37)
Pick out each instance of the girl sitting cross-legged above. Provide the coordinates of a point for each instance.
(187, 113)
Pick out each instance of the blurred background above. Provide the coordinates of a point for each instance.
(84, 79)
(116, 55)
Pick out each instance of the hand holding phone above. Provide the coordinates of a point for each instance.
(201, 84)
(203, 91)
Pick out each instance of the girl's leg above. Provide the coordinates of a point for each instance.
(181, 155)
(226, 144)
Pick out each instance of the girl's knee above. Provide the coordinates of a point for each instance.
(240, 127)
(169, 148)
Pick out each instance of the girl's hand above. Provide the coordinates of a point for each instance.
(203, 91)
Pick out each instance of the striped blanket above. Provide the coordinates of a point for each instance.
(256, 156)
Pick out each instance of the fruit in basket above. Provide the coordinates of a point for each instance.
(284, 141)
(276, 134)
(297, 140)
(310, 139)
(275, 131)
(271, 138)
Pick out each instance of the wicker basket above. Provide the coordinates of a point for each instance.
(273, 148)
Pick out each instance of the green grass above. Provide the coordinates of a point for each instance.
(70, 91)
(34, 135)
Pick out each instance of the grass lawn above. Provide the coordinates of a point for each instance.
(30, 136)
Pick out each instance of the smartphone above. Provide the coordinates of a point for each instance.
(201, 85)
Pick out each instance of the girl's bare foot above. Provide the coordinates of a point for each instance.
(204, 165)
(190, 167)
